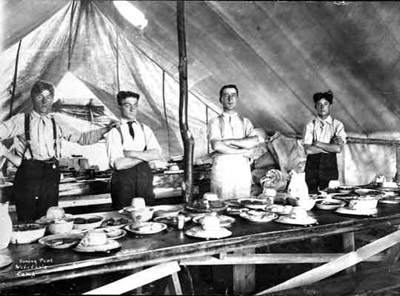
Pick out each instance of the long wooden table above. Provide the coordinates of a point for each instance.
(34, 263)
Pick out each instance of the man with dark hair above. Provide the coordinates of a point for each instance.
(39, 134)
(231, 136)
(323, 138)
(130, 148)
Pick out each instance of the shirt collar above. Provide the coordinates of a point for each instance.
(124, 120)
(224, 114)
(328, 120)
(37, 115)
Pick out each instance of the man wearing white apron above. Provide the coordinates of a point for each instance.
(231, 136)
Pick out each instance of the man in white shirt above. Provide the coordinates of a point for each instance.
(323, 138)
(38, 136)
(231, 136)
(130, 147)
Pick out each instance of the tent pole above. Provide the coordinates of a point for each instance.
(187, 137)
(15, 79)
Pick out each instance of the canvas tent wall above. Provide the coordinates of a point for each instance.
(278, 53)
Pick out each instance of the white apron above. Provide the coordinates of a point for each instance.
(231, 176)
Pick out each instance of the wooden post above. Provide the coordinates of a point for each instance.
(397, 164)
(244, 276)
(349, 245)
(187, 137)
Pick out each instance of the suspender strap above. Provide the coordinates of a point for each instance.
(27, 135)
(144, 134)
(53, 121)
(27, 127)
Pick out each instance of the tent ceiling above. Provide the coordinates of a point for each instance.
(278, 53)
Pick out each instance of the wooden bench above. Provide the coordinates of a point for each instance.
(379, 280)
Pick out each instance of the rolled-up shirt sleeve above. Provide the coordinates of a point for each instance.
(308, 134)
(214, 130)
(151, 140)
(249, 128)
(340, 131)
(114, 146)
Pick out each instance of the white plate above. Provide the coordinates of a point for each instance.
(291, 221)
(199, 232)
(348, 211)
(61, 241)
(224, 221)
(5, 260)
(264, 217)
(146, 227)
(329, 204)
(253, 203)
(112, 232)
(109, 246)
(390, 200)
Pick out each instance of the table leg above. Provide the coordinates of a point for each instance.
(349, 246)
(244, 279)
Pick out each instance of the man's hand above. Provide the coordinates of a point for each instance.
(113, 124)
(337, 140)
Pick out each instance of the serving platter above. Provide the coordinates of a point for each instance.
(166, 210)
(224, 221)
(199, 232)
(5, 261)
(62, 241)
(112, 232)
(108, 247)
(354, 212)
(263, 217)
(146, 227)
(253, 203)
(292, 221)
(389, 200)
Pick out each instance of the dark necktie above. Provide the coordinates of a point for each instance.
(131, 131)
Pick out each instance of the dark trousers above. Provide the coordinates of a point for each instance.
(36, 188)
(133, 182)
(320, 169)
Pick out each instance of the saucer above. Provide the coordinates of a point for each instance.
(109, 246)
(62, 241)
(224, 221)
(262, 218)
(146, 227)
(112, 232)
(199, 232)
(5, 261)
(390, 200)
(292, 221)
(365, 212)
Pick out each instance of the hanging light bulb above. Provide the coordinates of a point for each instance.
(131, 14)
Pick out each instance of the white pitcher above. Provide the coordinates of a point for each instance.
(298, 187)
(5, 226)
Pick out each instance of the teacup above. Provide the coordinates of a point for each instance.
(333, 184)
(138, 202)
(210, 222)
(142, 215)
(298, 213)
